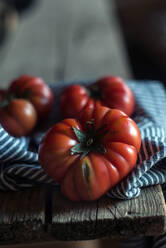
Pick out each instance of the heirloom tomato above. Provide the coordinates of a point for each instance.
(88, 158)
(17, 116)
(110, 91)
(35, 90)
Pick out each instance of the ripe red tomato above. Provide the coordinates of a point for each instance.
(17, 116)
(111, 91)
(88, 159)
(34, 90)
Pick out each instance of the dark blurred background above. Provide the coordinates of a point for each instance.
(144, 28)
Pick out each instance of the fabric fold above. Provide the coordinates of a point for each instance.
(20, 168)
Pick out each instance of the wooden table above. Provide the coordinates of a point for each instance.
(71, 40)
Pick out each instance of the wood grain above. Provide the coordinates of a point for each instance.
(22, 216)
(144, 216)
(57, 244)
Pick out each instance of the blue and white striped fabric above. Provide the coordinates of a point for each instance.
(150, 116)
(19, 166)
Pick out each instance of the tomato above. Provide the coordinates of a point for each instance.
(110, 91)
(89, 158)
(17, 116)
(34, 90)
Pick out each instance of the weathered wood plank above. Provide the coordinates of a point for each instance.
(68, 43)
(145, 215)
(75, 217)
(94, 43)
(32, 47)
(22, 216)
(57, 244)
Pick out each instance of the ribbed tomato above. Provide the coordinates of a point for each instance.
(35, 90)
(17, 116)
(88, 159)
(110, 91)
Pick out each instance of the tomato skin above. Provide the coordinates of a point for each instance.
(35, 90)
(116, 94)
(18, 118)
(73, 100)
(109, 91)
(88, 178)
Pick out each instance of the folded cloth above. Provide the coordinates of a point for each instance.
(19, 166)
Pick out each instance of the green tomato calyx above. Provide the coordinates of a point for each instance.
(90, 140)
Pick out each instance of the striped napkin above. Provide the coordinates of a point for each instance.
(19, 166)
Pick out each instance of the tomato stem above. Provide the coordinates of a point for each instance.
(10, 97)
(7, 100)
(90, 141)
(94, 92)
